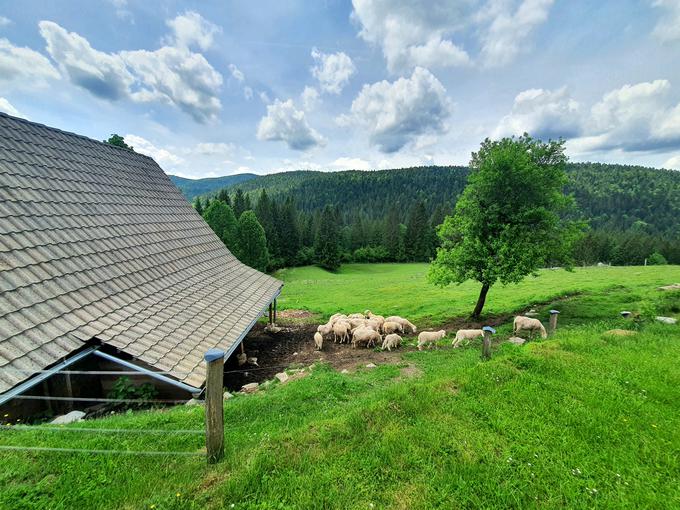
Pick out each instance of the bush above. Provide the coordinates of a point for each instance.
(656, 259)
(305, 256)
(124, 389)
(371, 254)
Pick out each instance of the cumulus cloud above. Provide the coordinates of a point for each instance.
(346, 163)
(673, 163)
(667, 28)
(309, 98)
(23, 65)
(396, 113)
(285, 123)
(211, 149)
(543, 114)
(7, 107)
(162, 156)
(4, 21)
(236, 73)
(172, 74)
(411, 34)
(332, 70)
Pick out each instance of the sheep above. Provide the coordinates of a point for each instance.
(365, 336)
(336, 317)
(370, 315)
(325, 329)
(528, 324)
(391, 342)
(356, 316)
(341, 330)
(355, 323)
(373, 324)
(406, 324)
(390, 327)
(318, 340)
(429, 337)
(466, 334)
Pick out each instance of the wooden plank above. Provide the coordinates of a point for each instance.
(214, 405)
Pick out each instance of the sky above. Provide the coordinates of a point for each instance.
(212, 88)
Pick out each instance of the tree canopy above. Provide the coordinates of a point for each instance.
(252, 242)
(327, 245)
(512, 218)
(221, 219)
(118, 141)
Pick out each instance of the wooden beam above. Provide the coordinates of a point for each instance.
(214, 405)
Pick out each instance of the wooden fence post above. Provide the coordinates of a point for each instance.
(486, 344)
(553, 320)
(214, 405)
(271, 314)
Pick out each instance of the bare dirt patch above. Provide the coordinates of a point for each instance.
(294, 314)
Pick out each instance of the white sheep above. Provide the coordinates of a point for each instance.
(522, 323)
(356, 323)
(336, 317)
(325, 329)
(370, 315)
(466, 334)
(341, 331)
(356, 316)
(365, 336)
(390, 327)
(373, 324)
(408, 326)
(429, 337)
(391, 342)
(318, 340)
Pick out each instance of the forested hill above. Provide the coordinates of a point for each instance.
(194, 187)
(612, 197)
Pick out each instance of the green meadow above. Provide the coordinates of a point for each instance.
(580, 420)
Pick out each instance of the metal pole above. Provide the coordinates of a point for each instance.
(553, 320)
(214, 405)
(486, 344)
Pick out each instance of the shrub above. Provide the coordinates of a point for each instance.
(656, 259)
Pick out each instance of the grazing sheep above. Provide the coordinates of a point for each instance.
(408, 326)
(390, 327)
(528, 324)
(318, 340)
(373, 324)
(391, 342)
(365, 336)
(370, 315)
(466, 334)
(336, 317)
(356, 316)
(325, 329)
(341, 331)
(429, 337)
(355, 323)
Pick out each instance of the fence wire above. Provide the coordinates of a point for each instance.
(102, 430)
(85, 450)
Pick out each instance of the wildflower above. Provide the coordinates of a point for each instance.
(178, 495)
(6, 415)
(509, 459)
(529, 464)
(618, 475)
(152, 506)
(653, 425)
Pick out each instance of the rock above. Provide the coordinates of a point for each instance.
(371, 365)
(674, 286)
(193, 402)
(295, 354)
(344, 371)
(253, 361)
(667, 320)
(282, 377)
(272, 328)
(620, 332)
(71, 417)
(227, 395)
(625, 314)
(516, 340)
(250, 387)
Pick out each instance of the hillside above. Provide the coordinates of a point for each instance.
(195, 187)
(610, 196)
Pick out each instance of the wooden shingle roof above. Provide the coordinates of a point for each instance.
(96, 242)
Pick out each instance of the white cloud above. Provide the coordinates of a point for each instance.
(667, 28)
(310, 98)
(332, 70)
(345, 163)
(412, 34)
(508, 28)
(543, 114)
(236, 73)
(285, 123)
(248, 93)
(122, 12)
(4, 21)
(23, 65)
(673, 163)
(208, 148)
(172, 74)
(264, 97)
(7, 107)
(162, 156)
(192, 30)
(396, 113)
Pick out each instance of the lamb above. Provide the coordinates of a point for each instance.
(318, 340)
(391, 342)
(528, 324)
(390, 327)
(466, 334)
(429, 337)
(341, 331)
(365, 336)
(406, 324)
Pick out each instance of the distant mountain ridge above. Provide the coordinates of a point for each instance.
(194, 187)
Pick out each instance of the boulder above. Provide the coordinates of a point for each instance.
(71, 417)
(516, 340)
(667, 320)
(250, 387)
(272, 328)
(193, 402)
(371, 365)
(227, 395)
(344, 371)
(282, 377)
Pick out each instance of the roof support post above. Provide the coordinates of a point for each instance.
(214, 405)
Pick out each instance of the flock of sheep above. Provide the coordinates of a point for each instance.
(369, 330)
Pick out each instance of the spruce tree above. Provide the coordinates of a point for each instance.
(288, 232)
(252, 242)
(239, 203)
(265, 215)
(392, 235)
(417, 237)
(327, 246)
(221, 219)
(223, 196)
(198, 205)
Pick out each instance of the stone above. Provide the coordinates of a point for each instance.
(516, 340)
(295, 353)
(71, 417)
(253, 361)
(250, 387)
(282, 377)
(371, 365)
(227, 395)
(673, 286)
(620, 332)
(344, 371)
(272, 328)
(667, 320)
(193, 402)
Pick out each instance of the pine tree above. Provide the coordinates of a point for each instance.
(288, 232)
(198, 205)
(265, 215)
(327, 246)
(417, 238)
(223, 195)
(252, 242)
(392, 235)
(239, 203)
(221, 219)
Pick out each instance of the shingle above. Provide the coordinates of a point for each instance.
(97, 242)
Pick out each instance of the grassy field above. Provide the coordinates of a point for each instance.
(581, 420)
(402, 289)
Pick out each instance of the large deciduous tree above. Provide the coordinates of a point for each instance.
(327, 245)
(252, 242)
(118, 141)
(512, 218)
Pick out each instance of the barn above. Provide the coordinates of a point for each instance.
(103, 263)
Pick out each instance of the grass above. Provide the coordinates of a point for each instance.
(582, 420)
(402, 289)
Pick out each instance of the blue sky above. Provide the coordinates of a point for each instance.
(215, 88)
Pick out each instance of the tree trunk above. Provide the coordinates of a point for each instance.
(480, 301)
